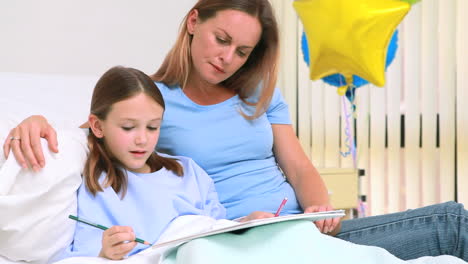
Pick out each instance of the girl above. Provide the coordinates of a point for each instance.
(127, 185)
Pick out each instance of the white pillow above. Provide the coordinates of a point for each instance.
(63, 99)
(34, 207)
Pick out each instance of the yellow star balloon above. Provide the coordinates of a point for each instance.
(350, 36)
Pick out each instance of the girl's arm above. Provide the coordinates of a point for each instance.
(302, 175)
(213, 207)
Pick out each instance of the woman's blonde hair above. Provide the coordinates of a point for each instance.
(115, 85)
(261, 68)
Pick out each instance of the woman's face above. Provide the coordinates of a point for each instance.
(222, 44)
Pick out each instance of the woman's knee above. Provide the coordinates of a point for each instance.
(451, 207)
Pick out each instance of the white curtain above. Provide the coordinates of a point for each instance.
(412, 135)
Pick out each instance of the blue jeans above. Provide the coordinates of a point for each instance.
(440, 229)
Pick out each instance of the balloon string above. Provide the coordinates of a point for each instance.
(349, 139)
(349, 142)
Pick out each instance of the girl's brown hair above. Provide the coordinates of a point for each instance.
(261, 68)
(118, 84)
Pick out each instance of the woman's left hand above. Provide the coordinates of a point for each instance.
(256, 215)
(326, 226)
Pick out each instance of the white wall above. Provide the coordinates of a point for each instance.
(86, 37)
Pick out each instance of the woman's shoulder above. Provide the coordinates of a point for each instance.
(257, 92)
(165, 89)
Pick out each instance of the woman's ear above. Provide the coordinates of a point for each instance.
(192, 21)
(96, 126)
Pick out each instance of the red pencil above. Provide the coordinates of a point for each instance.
(281, 206)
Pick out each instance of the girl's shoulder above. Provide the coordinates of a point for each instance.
(183, 160)
(191, 168)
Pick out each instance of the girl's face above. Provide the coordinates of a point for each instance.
(222, 44)
(131, 131)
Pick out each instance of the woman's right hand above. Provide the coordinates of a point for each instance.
(327, 226)
(24, 141)
(117, 242)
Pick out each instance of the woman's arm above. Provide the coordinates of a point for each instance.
(302, 175)
(26, 146)
(85, 125)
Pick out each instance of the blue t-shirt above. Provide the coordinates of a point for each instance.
(152, 201)
(235, 152)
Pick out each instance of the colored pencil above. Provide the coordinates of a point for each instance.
(281, 206)
(139, 240)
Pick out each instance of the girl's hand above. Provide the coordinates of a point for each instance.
(26, 144)
(256, 215)
(117, 242)
(329, 225)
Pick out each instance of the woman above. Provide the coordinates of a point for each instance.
(223, 111)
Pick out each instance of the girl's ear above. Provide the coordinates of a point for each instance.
(192, 21)
(95, 125)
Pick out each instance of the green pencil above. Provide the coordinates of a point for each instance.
(139, 240)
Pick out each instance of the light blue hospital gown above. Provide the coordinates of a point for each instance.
(152, 201)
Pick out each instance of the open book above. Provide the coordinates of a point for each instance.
(212, 226)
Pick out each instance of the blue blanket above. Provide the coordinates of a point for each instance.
(280, 243)
(287, 242)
